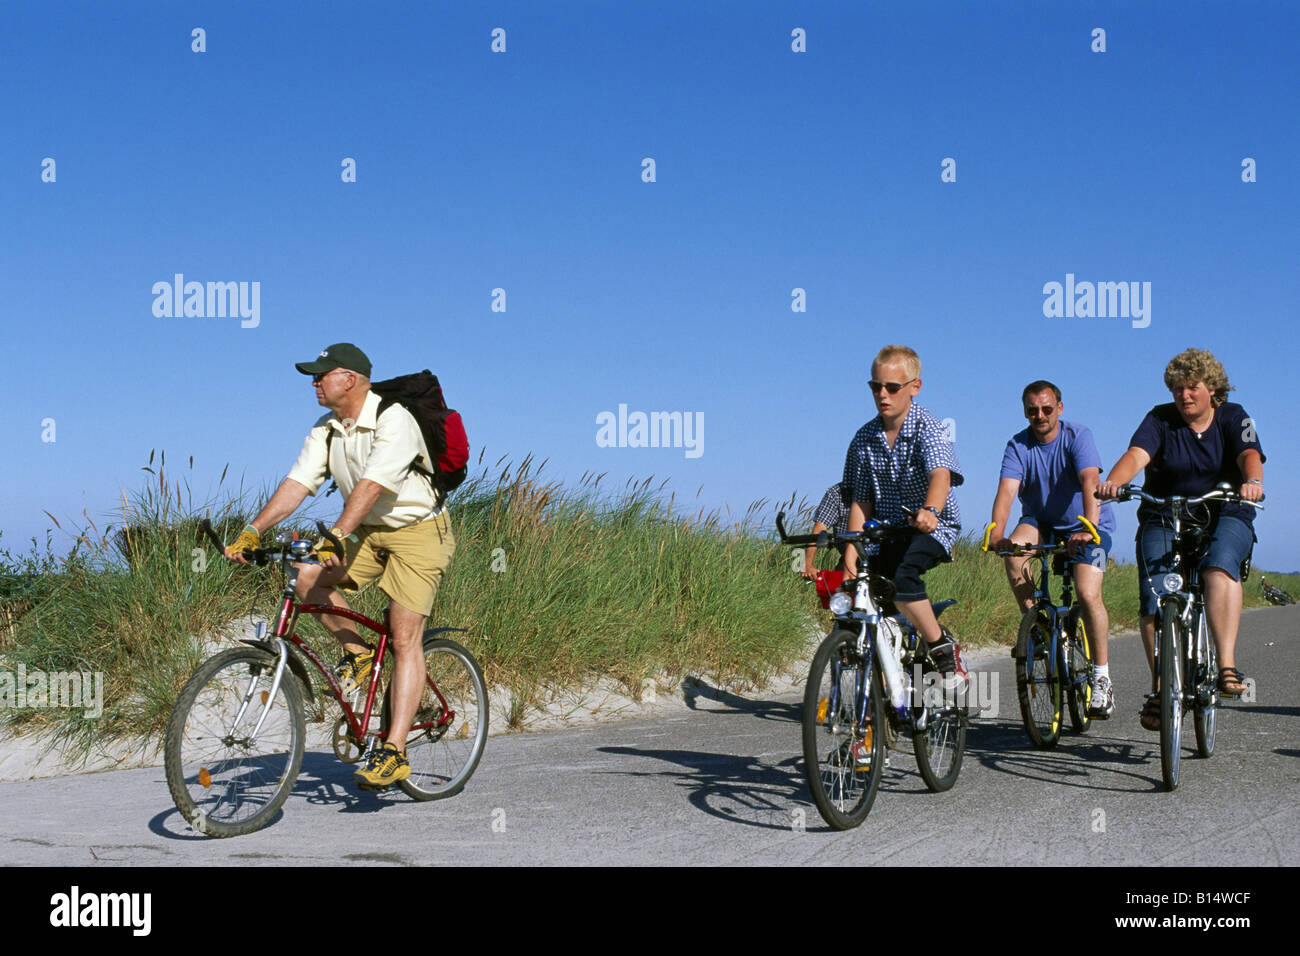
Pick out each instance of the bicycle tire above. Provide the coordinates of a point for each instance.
(1171, 698)
(1038, 683)
(1076, 668)
(940, 747)
(1205, 711)
(443, 758)
(842, 789)
(220, 785)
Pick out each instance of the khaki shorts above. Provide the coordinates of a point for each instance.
(418, 556)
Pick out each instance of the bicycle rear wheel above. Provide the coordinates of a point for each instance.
(1205, 711)
(940, 747)
(224, 781)
(1171, 696)
(1038, 682)
(450, 728)
(843, 731)
(1076, 668)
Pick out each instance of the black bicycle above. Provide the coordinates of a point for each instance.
(1186, 660)
(1274, 595)
(1053, 653)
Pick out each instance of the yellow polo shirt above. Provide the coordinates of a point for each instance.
(378, 447)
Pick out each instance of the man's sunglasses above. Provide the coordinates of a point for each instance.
(891, 387)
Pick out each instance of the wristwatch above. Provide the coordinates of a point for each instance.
(932, 509)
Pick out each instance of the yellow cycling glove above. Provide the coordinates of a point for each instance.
(248, 540)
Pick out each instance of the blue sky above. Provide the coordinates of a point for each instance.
(522, 171)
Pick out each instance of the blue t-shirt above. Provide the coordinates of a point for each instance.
(1048, 473)
(1184, 463)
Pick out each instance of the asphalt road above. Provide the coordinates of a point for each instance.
(723, 784)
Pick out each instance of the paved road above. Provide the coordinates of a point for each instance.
(722, 784)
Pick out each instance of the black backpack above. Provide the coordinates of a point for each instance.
(441, 427)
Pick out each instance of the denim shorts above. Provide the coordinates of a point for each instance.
(1093, 554)
(1230, 542)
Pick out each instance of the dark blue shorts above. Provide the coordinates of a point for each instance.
(1230, 542)
(904, 560)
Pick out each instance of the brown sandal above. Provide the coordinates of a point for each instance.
(1230, 675)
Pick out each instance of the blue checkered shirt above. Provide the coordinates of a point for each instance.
(888, 478)
(834, 510)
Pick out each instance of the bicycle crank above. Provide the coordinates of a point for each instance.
(345, 746)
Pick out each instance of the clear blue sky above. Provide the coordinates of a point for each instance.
(523, 171)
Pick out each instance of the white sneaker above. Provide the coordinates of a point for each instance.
(1102, 704)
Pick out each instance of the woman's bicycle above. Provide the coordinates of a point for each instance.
(861, 693)
(1053, 654)
(1186, 660)
(235, 741)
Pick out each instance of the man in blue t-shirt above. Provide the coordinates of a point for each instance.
(1053, 467)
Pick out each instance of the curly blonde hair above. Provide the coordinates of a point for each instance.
(1198, 365)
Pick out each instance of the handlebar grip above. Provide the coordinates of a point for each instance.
(988, 531)
(325, 533)
(206, 529)
(1096, 535)
(780, 525)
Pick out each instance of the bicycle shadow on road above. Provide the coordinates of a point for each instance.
(322, 781)
(693, 690)
(1076, 761)
(742, 789)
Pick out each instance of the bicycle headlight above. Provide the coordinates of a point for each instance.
(841, 603)
(1173, 583)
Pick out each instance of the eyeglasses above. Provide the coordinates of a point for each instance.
(1039, 412)
(891, 387)
(316, 379)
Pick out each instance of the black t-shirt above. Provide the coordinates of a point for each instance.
(1184, 463)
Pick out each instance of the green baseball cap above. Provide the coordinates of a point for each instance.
(343, 355)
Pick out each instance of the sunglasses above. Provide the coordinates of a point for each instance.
(891, 387)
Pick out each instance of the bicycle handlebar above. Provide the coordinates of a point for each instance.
(1222, 492)
(1032, 549)
(873, 531)
(264, 556)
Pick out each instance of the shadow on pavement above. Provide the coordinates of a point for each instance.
(694, 689)
(322, 781)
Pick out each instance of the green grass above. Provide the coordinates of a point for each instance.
(556, 585)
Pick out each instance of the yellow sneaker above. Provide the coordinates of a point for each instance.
(386, 766)
(354, 670)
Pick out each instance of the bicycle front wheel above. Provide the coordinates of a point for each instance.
(450, 728)
(1205, 711)
(1038, 681)
(1171, 696)
(843, 731)
(1076, 666)
(226, 781)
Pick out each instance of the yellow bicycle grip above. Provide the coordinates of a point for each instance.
(989, 530)
(1096, 535)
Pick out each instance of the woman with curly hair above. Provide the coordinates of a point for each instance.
(1187, 447)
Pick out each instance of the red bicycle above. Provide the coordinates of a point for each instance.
(235, 741)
